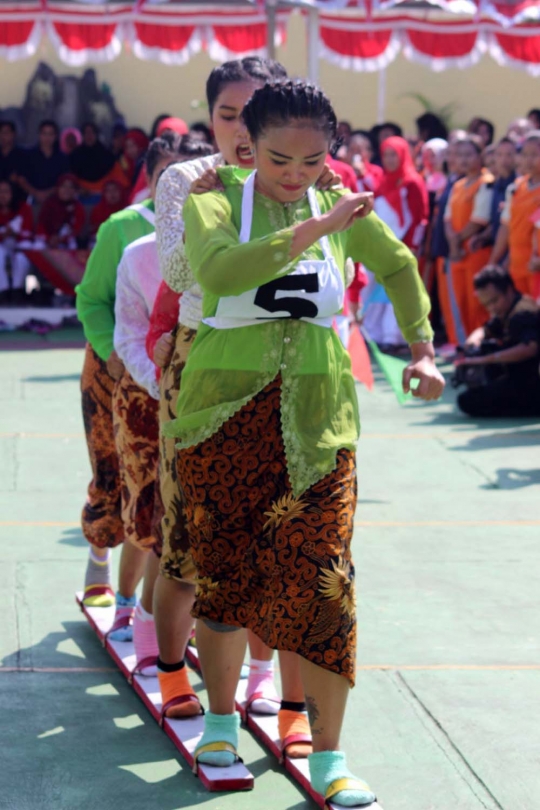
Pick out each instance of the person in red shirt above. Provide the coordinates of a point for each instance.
(16, 226)
(359, 154)
(62, 216)
(112, 200)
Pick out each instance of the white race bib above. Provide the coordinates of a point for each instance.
(312, 292)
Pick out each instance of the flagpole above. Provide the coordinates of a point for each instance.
(270, 6)
(313, 44)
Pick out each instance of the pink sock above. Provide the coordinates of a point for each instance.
(144, 639)
(261, 683)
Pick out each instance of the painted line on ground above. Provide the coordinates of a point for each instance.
(447, 667)
(58, 669)
(41, 435)
(442, 523)
(61, 523)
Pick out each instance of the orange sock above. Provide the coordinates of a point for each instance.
(294, 733)
(174, 685)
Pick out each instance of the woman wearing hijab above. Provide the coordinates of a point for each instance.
(112, 200)
(91, 161)
(401, 201)
(70, 139)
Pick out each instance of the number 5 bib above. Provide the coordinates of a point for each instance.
(312, 292)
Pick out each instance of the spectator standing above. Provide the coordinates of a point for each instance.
(11, 156)
(467, 213)
(517, 224)
(359, 154)
(401, 202)
(91, 161)
(43, 164)
(505, 175)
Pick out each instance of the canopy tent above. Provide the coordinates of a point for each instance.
(360, 35)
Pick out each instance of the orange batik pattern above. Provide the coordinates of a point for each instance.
(278, 564)
(101, 516)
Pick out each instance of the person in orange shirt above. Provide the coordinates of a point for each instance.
(516, 233)
(467, 212)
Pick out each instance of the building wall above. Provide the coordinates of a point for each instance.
(143, 90)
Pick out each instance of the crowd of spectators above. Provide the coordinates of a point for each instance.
(461, 200)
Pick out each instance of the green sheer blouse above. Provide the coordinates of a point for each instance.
(226, 368)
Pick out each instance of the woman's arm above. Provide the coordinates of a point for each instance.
(372, 243)
(224, 266)
(131, 328)
(96, 292)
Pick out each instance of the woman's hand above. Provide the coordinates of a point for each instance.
(422, 367)
(163, 350)
(348, 208)
(534, 264)
(115, 366)
(328, 179)
(209, 181)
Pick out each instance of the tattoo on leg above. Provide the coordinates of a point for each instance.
(313, 714)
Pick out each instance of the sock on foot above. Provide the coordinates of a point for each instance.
(145, 639)
(294, 730)
(98, 572)
(125, 608)
(174, 683)
(261, 681)
(325, 767)
(221, 728)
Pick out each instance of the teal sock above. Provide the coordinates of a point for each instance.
(327, 766)
(220, 728)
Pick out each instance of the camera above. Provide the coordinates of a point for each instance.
(475, 376)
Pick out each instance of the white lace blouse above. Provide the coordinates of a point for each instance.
(137, 282)
(172, 193)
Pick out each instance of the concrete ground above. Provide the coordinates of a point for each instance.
(445, 714)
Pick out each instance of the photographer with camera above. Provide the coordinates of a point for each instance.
(499, 363)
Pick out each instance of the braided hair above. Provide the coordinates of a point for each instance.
(250, 68)
(166, 145)
(280, 102)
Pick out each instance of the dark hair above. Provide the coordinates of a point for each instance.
(157, 122)
(92, 125)
(9, 124)
(15, 203)
(434, 126)
(241, 70)
(200, 126)
(167, 145)
(506, 139)
(396, 129)
(119, 127)
(535, 112)
(48, 122)
(493, 274)
(277, 103)
(473, 140)
(193, 147)
(476, 123)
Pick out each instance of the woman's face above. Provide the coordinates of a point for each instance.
(161, 165)
(531, 157)
(112, 194)
(132, 150)
(70, 142)
(5, 195)
(469, 159)
(390, 160)
(229, 131)
(89, 136)
(290, 159)
(67, 191)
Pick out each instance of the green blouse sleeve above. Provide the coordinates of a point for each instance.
(372, 243)
(220, 263)
(97, 291)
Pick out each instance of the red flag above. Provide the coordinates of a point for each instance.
(361, 363)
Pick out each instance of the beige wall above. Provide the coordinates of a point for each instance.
(144, 89)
